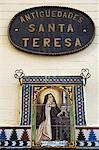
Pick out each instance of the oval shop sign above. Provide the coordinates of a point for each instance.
(51, 30)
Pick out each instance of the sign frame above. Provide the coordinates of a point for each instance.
(58, 42)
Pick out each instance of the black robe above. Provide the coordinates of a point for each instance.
(54, 112)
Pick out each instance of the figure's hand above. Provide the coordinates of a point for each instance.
(53, 104)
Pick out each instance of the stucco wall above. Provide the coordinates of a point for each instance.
(12, 59)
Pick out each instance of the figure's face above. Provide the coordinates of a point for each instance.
(50, 99)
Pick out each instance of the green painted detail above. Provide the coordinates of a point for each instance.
(72, 131)
(13, 136)
(33, 121)
(81, 136)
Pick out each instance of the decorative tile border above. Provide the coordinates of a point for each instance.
(79, 105)
(87, 137)
(29, 81)
(11, 137)
(26, 104)
(52, 79)
(20, 137)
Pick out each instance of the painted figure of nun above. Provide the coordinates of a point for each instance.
(44, 129)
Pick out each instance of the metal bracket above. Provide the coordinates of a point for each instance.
(19, 75)
(85, 74)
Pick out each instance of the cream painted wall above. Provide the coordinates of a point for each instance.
(12, 59)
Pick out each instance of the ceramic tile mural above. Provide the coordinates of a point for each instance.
(52, 115)
(76, 81)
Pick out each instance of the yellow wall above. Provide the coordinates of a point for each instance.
(12, 59)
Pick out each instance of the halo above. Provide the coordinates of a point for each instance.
(54, 91)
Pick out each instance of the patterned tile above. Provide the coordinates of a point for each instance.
(11, 137)
(87, 137)
(20, 137)
(30, 81)
(53, 79)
